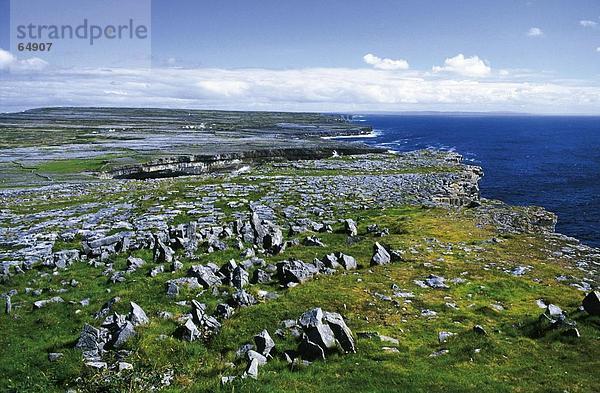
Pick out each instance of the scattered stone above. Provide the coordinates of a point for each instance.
(261, 277)
(43, 303)
(117, 277)
(252, 370)
(227, 379)
(388, 339)
(554, 312)
(591, 303)
(162, 252)
(239, 277)
(322, 335)
(189, 331)
(437, 282)
(350, 227)
(253, 355)
(165, 315)
(439, 353)
(311, 351)
(172, 289)
(295, 271)
(224, 311)
(134, 263)
(479, 330)
(444, 336)
(157, 270)
(54, 356)
(242, 298)
(348, 262)
(428, 313)
(124, 366)
(92, 341)
(243, 350)
(176, 266)
(205, 275)
(137, 316)
(380, 255)
(520, 270)
(311, 318)
(106, 307)
(313, 241)
(264, 343)
(64, 258)
(97, 365)
(122, 335)
(340, 330)
(540, 303)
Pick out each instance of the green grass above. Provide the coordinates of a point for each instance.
(510, 359)
(75, 165)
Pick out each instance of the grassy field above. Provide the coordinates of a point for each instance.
(510, 358)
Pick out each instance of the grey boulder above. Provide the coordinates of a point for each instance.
(380, 255)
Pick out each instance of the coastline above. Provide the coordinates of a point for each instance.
(400, 246)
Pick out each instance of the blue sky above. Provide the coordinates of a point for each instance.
(312, 33)
(329, 55)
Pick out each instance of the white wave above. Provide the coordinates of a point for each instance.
(372, 134)
(244, 169)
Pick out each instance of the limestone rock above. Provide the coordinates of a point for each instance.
(591, 303)
(188, 331)
(295, 271)
(43, 303)
(264, 343)
(137, 316)
(205, 275)
(242, 298)
(380, 255)
(310, 351)
(341, 331)
(350, 227)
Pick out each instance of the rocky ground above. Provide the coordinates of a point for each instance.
(371, 272)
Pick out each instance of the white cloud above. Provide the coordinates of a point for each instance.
(385, 64)
(9, 62)
(535, 32)
(466, 66)
(225, 88)
(312, 89)
(31, 64)
(588, 23)
(6, 59)
(598, 49)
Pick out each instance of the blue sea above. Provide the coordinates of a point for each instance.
(549, 161)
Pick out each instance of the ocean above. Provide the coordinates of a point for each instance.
(549, 161)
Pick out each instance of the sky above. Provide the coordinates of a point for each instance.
(537, 56)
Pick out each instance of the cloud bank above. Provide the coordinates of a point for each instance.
(308, 89)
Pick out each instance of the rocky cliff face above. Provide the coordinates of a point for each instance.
(517, 219)
(463, 190)
(201, 164)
